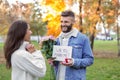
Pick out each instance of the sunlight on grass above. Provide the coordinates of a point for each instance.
(4, 73)
(104, 69)
(103, 46)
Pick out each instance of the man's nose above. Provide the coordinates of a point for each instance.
(63, 24)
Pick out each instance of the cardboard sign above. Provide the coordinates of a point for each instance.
(60, 53)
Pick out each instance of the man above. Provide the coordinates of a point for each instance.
(82, 56)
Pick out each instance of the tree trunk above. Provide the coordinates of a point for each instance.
(80, 9)
(104, 29)
(93, 34)
(92, 41)
(38, 36)
(118, 36)
(118, 41)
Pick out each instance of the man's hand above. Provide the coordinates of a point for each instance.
(67, 62)
(50, 60)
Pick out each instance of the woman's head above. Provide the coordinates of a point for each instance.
(18, 32)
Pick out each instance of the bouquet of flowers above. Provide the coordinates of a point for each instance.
(47, 46)
(47, 43)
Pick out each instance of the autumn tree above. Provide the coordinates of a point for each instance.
(10, 13)
(54, 9)
(4, 7)
(92, 12)
(37, 25)
(110, 12)
(117, 12)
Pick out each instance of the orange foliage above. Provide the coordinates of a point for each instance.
(111, 13)
(53, 16)
(57, 5)
(114, 2)
(94, 18)
(53, 25)
(91, 29)
(109, 21)
(69, 2)
(48, 2)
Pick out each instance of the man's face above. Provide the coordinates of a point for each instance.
(66, 24)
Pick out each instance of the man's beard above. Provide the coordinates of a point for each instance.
(68, 28)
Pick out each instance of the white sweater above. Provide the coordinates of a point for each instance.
(27, 66)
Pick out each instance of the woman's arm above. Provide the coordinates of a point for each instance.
(32, 63)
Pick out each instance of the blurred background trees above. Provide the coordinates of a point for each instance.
(44, 16)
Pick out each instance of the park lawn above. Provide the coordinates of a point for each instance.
(5, 74)
(1, 47)
(99, 46)
(102, 69)
(106, 46)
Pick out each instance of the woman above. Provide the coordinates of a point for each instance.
(26, 62)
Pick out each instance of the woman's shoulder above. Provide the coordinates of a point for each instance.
(20, 53)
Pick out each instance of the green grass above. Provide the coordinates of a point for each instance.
(49, 73)
(106, 46)
(102, 69)
(4, 73)
(1, 46)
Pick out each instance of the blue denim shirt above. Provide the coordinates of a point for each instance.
(82, 55)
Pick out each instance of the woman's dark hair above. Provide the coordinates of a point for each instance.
(15, 37)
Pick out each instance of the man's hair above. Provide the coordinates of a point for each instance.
(68, 13)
